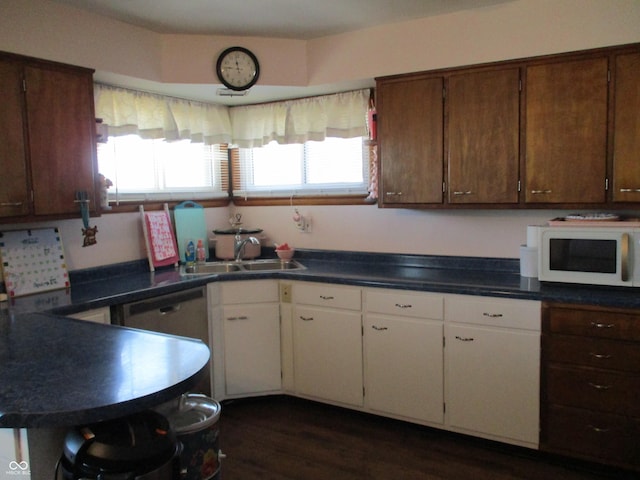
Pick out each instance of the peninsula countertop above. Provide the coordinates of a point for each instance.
(58, 371)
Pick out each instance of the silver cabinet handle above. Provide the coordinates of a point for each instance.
(380, 329)
(323, 297)
(464, 339)
(393, 193)
(404, 305)
(10, 204)
(467, 192)
(540, 192)
(630, 190)
(599, 387)
(598, 429)
(600, 356)
(306, 319)
(492, 315)
(170, 309)
(602, 325)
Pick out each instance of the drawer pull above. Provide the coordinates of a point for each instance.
(242, 317)
(306, 319)
(323, 297)
(380, 329)
(602, 325)
(599, 387)
(540, 192)
(600, 356)
(404, 305)
(598, 429)
(492, 315)
(464, 339)
(10, 204)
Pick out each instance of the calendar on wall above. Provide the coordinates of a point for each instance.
(33, 261)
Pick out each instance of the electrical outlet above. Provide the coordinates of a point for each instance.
(285, 293)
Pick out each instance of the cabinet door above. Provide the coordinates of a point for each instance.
(410, 126)
(252, 348)
(328, 354)
(566, 132)
(626, 134)
(61, 138)
(483, 110)
(493, 381)
(14, 196)
(403, 373)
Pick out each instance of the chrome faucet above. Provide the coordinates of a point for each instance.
(239, 243)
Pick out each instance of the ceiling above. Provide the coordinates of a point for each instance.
(289, 19)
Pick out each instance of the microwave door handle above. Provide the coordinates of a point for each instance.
(624, 252)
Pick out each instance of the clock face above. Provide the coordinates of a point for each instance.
(237, 68)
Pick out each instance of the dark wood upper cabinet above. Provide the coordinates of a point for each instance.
(483, 136)
(47, 139)
(566, 132)
(410, 126)
(14, 187)
(626, 128)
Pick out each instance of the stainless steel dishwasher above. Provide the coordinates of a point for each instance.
(181, 313)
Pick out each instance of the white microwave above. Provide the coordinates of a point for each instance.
(589, 255)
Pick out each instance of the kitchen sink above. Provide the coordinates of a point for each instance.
(265, 265)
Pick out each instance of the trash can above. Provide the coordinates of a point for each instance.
(142, 446)
(194, 418)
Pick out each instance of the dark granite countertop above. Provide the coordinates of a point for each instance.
(60, 372)
(56, 371)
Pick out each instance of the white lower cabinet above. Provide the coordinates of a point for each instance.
(492, 365)
(249, 325)
(327, 343)
(403, 354)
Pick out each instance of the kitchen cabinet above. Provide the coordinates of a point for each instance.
(327, 343)
(48, 150)
(566, 131)
(492, 365)
(410, 126)
(403, 354)
(251, 332)
(626, 125)
(483, 115)
(591, 380)
(97, 315)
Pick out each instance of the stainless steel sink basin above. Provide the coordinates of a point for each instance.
(211, 268)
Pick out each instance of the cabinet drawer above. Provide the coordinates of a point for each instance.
(324, 295)
(250, 291)
(591, 434)
(405, 304)
(592, 352)
(521, 314)
(595, 323)
(602, 390)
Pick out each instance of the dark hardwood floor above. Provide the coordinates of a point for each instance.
(278, 438)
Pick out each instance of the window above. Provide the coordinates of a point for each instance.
(335, 166)
(159, 170)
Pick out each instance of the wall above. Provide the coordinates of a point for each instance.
(517, 29)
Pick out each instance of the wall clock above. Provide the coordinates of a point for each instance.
(237, 68)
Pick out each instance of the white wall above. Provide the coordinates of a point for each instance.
(520, 28)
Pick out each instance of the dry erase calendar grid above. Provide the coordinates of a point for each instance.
(33, 261)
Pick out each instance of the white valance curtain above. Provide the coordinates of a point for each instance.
(153, 116)
(341, 115)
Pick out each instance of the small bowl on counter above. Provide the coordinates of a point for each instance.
(285, 255)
